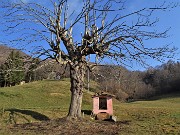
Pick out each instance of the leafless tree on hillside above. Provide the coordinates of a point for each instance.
(105, 33)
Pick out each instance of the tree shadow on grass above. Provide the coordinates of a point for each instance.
(35, 115)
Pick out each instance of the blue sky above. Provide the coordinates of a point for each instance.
(169, 19)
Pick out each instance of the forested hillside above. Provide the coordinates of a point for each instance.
(133, 85)
(13, 61)
(126, 85)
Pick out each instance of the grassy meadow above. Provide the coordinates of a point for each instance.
(48, 100)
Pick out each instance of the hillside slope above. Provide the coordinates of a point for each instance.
(44, 96)
(5, 51)
(49, 100)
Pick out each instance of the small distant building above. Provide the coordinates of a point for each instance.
(102, 106)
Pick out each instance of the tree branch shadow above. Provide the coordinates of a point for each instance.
(33, 114)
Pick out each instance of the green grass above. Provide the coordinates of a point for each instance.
(42, 94)
(51, 99)
(151, 117)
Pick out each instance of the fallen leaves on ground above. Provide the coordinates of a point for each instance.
(81, 127)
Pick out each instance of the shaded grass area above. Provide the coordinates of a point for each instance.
(33, 114)
(39, 108)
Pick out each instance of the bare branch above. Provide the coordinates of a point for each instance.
(105, 30)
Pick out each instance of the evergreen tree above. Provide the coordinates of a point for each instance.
(2, 79)
(12, 69)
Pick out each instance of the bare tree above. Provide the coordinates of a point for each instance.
(105, 33)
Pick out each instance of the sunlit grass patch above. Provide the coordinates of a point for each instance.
(50, 99)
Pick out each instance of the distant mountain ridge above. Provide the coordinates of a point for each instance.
(5, 51)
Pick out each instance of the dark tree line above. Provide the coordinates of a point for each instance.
(134, 85)
(165, 78)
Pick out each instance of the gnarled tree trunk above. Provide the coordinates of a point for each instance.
(77, 72)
